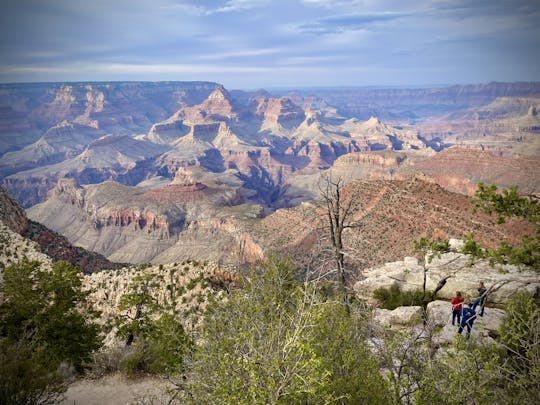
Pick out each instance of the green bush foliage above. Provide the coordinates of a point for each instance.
(506, 204)
(160, 342)
(393, 297)
(44, 316)
(520, 335)
(277, 340)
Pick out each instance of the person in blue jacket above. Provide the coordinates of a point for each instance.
(467, 319)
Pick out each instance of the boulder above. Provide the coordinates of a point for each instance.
(462, 275)
(398, 318)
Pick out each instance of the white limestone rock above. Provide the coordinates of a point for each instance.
(398, 318)
(463, 276)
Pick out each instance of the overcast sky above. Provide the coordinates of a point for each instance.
(271, 43)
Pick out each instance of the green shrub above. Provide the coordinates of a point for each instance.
(276, 340)
(134, 363)
(45, 329)
(393, 297)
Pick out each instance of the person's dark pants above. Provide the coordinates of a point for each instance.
(456, 313)
(477, 302)
(468, 325)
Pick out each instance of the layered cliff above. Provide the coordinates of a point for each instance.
(137, 225)
(414, 103)
(46, 241)
(460, 169)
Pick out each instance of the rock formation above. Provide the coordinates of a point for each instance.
(50, 243)
(186, 164)
(463, 274)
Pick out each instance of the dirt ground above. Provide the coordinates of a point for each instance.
(116, 390)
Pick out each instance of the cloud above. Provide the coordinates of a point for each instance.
(201, 9)
(236, 5)
(268, 41)
(331, 4)
(246, 53)
(343, 23)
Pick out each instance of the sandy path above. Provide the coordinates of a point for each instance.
(113, 390)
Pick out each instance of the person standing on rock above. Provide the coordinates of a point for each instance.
(457, 307)
(467, 319)
(481, 300)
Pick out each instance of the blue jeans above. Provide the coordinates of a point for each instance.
(456, 313)
(477, 302)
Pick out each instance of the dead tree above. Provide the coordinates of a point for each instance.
(339, 207)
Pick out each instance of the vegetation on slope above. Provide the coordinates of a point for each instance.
(269, 337)
(45, 326)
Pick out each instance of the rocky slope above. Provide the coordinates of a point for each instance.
(391, 214)
(46, 241)
(463, 275)
(173, 222)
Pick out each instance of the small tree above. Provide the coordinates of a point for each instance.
(155, 329)
(426, 251)
(45, 316)
(506, 204)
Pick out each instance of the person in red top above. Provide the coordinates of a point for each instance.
(457, 307)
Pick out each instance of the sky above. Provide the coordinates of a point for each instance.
(251, 44)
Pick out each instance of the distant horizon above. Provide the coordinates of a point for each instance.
(247, 44)
(276, 88)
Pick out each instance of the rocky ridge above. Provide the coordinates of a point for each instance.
(264, 143)
(460, 169)
(392, 213)
(48, 242)
(463, 275)
(165, 224)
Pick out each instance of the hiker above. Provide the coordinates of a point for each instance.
(457, 307)
(481, 300)
(467, 319)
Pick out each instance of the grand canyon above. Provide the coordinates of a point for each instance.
(172, 205)
(166, 171)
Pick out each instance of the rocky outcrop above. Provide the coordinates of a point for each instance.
(55, 246)
(398, 318)
(167, 132)
(276, 113)
(371, 159)
(485, 328)
(462, 276)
